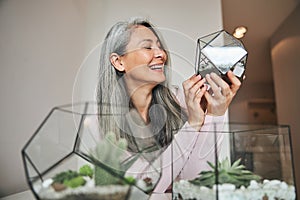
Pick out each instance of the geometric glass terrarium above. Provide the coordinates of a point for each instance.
(71, 157)
(220, 52)
(239, 161)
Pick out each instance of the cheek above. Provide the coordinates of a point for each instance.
(145, 56)
(142, 58)
(138, 59)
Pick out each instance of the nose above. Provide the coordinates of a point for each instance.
(160, 53)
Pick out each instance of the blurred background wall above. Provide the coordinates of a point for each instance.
(44, 44)
(49, 49)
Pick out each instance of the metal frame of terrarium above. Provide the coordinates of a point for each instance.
(34, 174)
(282, 142)
(205, 63)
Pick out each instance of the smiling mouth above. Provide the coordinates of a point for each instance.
(157, 67)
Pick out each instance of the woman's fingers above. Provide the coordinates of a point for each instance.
(221, 94)
(187, 84)
(194, 89)
(218, 86)
(197, 90)
(193, 86)
(236, 83)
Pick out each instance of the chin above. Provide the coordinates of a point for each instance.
(158, 82)
(161, 80)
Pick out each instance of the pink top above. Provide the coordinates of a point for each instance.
(188, 153)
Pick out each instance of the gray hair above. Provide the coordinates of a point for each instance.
(112, 97)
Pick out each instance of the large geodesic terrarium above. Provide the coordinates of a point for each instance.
(220, 52)
(71, 156)
(240, 162)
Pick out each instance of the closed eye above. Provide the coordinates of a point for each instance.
(148, 48)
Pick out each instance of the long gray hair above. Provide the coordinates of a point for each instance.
(112, 97)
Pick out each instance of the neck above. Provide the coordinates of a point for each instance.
(141, 98)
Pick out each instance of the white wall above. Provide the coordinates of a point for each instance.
(43, 43)
(41, 48)
(180, 24)
(286, 70)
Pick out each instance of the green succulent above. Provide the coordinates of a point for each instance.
(73, 179)
(235, 174)
(65, 175)
(86, 170)
(108, 153)
(75, 182)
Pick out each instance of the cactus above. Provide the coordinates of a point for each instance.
(108, 153)
(235, 174)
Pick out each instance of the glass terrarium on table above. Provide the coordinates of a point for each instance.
(239, 162)
(70, 156)
(220, 52)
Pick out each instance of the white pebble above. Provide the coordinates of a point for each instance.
(284, 185)
(46, 183)
(272, 184)
(253, 185)
(227, 186)
(275, 182)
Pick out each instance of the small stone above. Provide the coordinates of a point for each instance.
(47, 183)
(204, 189)
(253, 182)
(265, 197)
(253, 185)
(272, 184)
(275, 182)
(58, 187)
(228, 186)
(284, 185)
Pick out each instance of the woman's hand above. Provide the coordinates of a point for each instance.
(194, 90)
(221, 93)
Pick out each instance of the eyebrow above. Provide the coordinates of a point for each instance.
(145, 40)
(149, 40)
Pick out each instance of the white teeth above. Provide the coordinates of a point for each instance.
(156, 66)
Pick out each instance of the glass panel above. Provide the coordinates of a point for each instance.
(258, 166)
(79, 154)
(220, 52)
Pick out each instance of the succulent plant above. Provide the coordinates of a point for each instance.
(65, 175)
(86, 170)
(235, 174)
(108, 155)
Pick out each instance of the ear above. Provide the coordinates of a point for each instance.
(116, 61)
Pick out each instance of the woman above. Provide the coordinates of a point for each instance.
(134, 69)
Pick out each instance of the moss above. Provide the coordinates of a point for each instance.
(75, 182)
(66, 175)
(86, 170)
(72, 178)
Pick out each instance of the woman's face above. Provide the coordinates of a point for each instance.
(144, 59)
